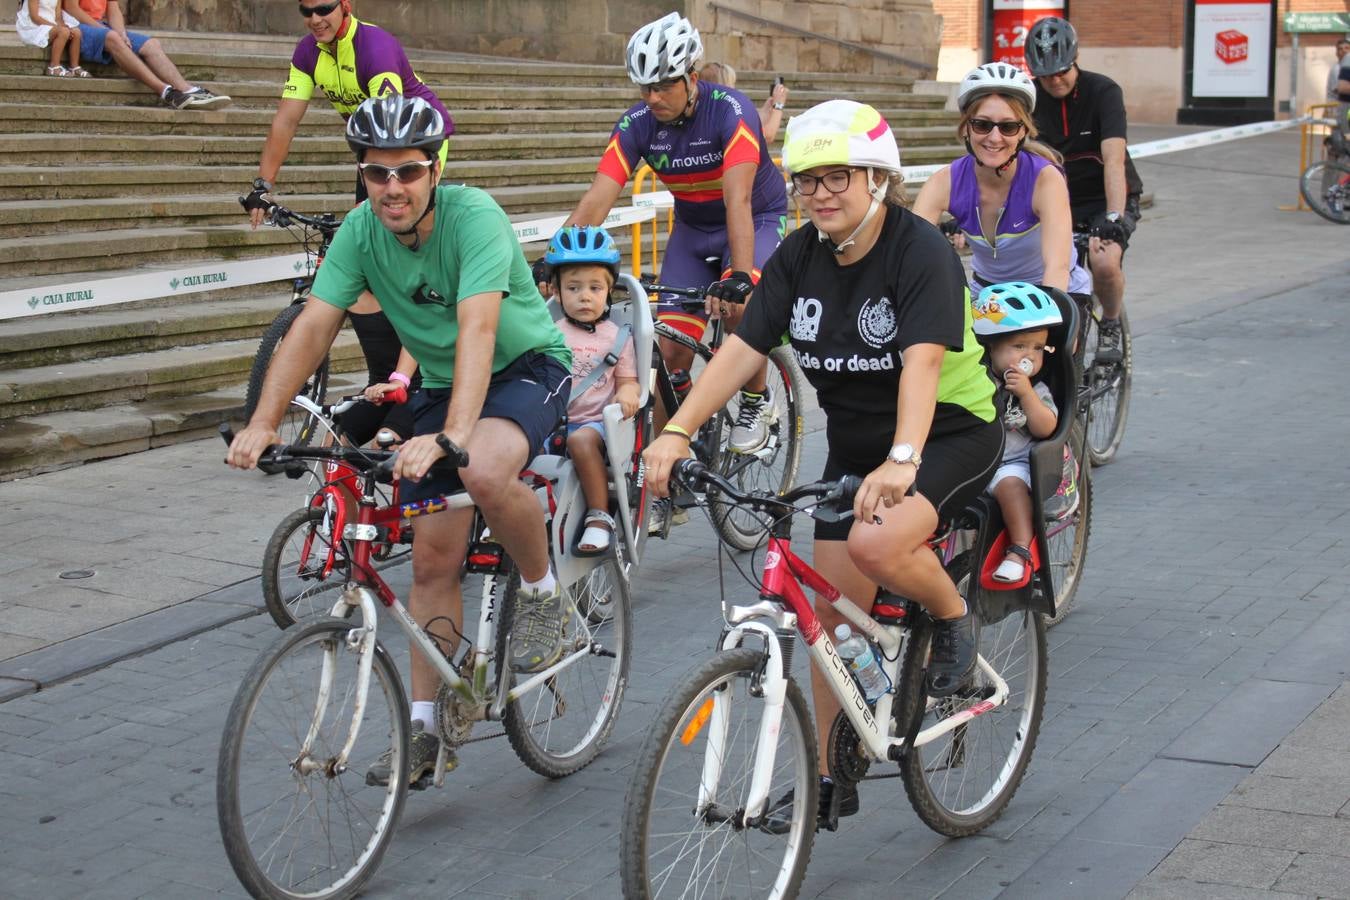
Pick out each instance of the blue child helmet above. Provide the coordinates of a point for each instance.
(1012, 307)
(583, 245)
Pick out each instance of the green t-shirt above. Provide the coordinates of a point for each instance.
(472, 250)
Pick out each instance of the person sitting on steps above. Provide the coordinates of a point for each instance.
(1013, 320)
(38, 24)
(585, 265)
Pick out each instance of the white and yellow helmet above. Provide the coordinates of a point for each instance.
(840, 133)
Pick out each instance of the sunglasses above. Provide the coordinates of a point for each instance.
(1007, 128)
(325, 9)
(660, 87)
(407, 173)
(835, 182)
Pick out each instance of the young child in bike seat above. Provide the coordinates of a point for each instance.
(1013, 321)
(585, 265)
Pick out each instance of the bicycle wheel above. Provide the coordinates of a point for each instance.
(559, 727)
(1109, 383)
(298, 427)
(1325, 187)
(683, 831)
(773, 467)
(292, 825)
(960, 782)
(294, 585)
(1067, 545)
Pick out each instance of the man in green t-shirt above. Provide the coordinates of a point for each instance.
(451, 277)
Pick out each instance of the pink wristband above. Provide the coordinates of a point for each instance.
(400, 378)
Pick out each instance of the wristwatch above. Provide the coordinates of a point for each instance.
(1113, 216)
(778, 106)
(904, 453)
(262, 184)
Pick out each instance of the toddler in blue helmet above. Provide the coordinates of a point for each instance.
(1013, 320)
(585, 265)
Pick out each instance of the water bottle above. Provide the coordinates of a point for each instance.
(857, 652)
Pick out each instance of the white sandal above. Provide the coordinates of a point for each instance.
(1011, 571)
(599, 531)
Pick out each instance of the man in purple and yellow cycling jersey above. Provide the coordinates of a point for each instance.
(705, 143)
(348, 60)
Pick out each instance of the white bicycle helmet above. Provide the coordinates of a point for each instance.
(664, 49)
(996, 78)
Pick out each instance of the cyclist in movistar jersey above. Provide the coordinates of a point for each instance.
(705, 143)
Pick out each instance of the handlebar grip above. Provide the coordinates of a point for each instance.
(689, 472)
(848, 490)
(226, 433)
(396, 396)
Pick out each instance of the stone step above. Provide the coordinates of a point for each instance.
(172, 372)
(322, 121)
(555, 94)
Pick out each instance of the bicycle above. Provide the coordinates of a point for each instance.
(1107, 376)
(773, 466)
(735, 734)
(297, 813)
(315, 235)
(302, 562)
(1325, 185)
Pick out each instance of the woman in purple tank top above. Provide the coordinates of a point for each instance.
(1008, 195)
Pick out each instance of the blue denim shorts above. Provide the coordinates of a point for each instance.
(92, 38)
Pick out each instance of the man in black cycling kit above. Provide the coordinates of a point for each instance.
(1082, 115)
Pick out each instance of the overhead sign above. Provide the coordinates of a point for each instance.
(1316, 22)
(1231, 49)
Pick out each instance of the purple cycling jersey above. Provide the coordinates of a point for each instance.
(1014, 253)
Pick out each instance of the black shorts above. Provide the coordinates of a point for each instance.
(362, 421)
(532, 392)
(1085, 213)
(956, 468)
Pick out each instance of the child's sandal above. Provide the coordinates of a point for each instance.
(1011, 571)
(79, 72)
(597, 533)
(58, 71)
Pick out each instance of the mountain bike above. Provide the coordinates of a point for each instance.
(773, 466)
(299, 815)
(735, 734)
(315, 234)
(1107, 374)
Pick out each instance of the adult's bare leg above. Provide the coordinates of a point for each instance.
(127, 60)
(154, 56)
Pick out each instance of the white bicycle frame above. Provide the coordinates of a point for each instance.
(767, 620)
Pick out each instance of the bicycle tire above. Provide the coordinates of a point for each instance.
(963, 804)
(584, 697)
(259, 778)
(296, 554)
(1110, 386)
(773, 468)
(1325, 187)
(661, 814)
(298, 427)
(1067, 545)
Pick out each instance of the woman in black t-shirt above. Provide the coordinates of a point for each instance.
(874, 301)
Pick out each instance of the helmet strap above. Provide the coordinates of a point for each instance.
(690, 91)
(1000, 169)
(878, 194)
(417, 238)
(588, 327)
(346, 19)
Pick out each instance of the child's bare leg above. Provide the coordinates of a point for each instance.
(57, 40)
(73, 47)
(584, 446)
(1014, 499)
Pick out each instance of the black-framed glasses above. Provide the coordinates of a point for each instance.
(835, 182)
(660, 87)
(1060, 74)
(405, 174)
(1007, 128)
(325, 9)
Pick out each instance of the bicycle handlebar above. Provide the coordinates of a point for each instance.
(326, 224)
(286, 457)
(697, 477)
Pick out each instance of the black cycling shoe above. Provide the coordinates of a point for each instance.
(955, 642)
(778, 820)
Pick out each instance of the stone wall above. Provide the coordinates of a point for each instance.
(596, 31)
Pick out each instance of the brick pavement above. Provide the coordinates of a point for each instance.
(1210, 632)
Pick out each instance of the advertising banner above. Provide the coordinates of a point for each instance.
(1231, 48)
(1012, 20)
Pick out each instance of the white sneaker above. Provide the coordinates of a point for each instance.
(751, 430)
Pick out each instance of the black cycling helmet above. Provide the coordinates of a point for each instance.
(395, 122)
(1052, 46)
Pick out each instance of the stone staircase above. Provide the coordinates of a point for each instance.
(97, 181)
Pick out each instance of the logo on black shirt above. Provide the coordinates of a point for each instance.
(425, 296)
(876, 322)
(805, 319)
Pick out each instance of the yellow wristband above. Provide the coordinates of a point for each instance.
(672, 428)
